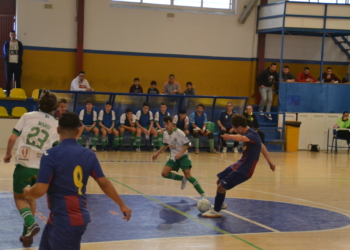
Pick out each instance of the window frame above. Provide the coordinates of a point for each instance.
(171, 7)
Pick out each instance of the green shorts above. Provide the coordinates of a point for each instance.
(22, 177)
(89, 127)
(184, 163)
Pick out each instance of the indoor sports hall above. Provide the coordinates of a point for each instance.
(221, 47)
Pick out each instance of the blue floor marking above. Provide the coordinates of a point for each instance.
(152, 220)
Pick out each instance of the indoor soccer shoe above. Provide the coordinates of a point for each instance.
(223, 206)
(204, 196)
(183, 183)
(211, 213)
(93, 149)
(31, 232)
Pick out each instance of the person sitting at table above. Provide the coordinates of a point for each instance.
(329, 77)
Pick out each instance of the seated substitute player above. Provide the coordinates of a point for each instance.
(144, 124)
(178, 143)
(225, 125)
(64, 180)
(242, 170)
(198, 127)
(106, 119)
(127, 122)
(37, 131)
(181, 122)
(62, 108)
(88, 118)
(158, 119)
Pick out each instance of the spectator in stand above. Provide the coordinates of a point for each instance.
(136, 87)
(171, 87)
(305, 76)
(346, 78)
(80, 83)
(190, 90)
(153, 89)
(287, 76)
(344, 122)
(329, 77)
(226, 127)
(13, 51)
(265, 80)
(252, 122)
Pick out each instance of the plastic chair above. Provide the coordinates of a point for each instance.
(3, 112)
(18, 111)
(335, 138)
(35, 94)
(2, 94)
(18, 93)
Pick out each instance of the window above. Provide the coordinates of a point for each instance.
(324, 1)
(215, 5)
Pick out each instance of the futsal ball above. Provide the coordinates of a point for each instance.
(203, 205)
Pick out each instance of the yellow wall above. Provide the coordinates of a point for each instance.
(115, 73)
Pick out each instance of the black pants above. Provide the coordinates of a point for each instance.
(262, 136)
(223, 142)
(344, 134)
(12, 69)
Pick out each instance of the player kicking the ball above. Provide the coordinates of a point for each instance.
(242, 170)
(178, 143)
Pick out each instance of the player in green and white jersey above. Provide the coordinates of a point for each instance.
(37, 132)
(178, 143)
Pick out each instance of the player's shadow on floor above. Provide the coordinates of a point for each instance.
(171, 217)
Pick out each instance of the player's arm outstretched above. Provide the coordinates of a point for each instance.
(267, 157)
(237, 137)
(163, 148)
(112, 193)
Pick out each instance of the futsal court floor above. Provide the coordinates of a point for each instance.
(304, 204)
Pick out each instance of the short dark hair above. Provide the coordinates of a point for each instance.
(153, 83)
(273, 64)
(48, 101)
(62, 100)
(136, 79)
(200, 105)
(183, 111)
(81, 72)
(189, 83)
(239, 121)
(171, 75)
(345, 112)
(286, 67)
(306, 68)
(167, 119)
(108, 103)
(329, 67)
(163, 103)
(12, 31)
(128, 110)
(69, 121)
(88, 101)
(145, 104)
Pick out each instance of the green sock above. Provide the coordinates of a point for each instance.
(174, 176)
(155, 141)
(160, 140)
(121, 140)
(80, 140)
(196, 143)
(196, 184)
(116, 141)
(104, 141)
(24, 229)
(132, 139)
(211, 144)
(27, 216)
(94, 141)
(138, 141)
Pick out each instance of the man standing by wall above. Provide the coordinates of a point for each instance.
(13, 51)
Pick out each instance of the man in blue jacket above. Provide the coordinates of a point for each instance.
(13, 51)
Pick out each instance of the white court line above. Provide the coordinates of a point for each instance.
(245, 219)
(285, 195)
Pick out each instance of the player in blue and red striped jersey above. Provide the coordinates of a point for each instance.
(242, 170)
(63, 175)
